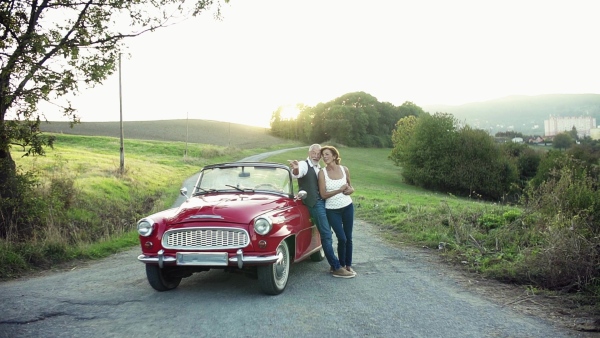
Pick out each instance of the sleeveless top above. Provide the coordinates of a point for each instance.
(340, 200)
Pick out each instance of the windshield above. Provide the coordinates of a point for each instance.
(244, 178)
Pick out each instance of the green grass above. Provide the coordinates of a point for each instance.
(380, 192)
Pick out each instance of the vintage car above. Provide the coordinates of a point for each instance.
(240, 217)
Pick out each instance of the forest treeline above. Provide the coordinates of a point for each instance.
(355, 119)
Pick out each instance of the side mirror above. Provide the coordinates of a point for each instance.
(301, 195)
(183, 192)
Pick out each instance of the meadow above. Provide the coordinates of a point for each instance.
(193, 131)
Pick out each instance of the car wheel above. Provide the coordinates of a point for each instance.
(318, 256)
(161, 279)
(273, 278)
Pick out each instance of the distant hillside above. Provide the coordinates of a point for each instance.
(197, 131)
(522, 113)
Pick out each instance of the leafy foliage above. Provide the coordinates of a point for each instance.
(430, 152)
(562, 141)
(526, 160)
(355, 119)
(436, 154)
(568, 202)
(401, 136)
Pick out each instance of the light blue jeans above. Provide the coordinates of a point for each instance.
(341, 221)
(319, 215)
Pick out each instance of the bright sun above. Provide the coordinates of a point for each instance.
(289, 112)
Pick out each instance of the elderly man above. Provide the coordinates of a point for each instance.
(307, 174)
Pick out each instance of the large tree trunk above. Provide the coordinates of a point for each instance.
(7, 171)
(8, 187)
(8, 182)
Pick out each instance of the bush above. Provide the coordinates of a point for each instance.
(511, 215)
(568, 261)
(23, 211)
(435, 154)
(490, 221)
(567, 202)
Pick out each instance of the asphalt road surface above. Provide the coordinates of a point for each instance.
(397, 293)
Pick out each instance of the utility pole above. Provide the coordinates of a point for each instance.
(122, 149)
(187, 128)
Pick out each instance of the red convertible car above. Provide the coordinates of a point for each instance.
(240, 217)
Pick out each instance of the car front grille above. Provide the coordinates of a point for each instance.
(205, 238)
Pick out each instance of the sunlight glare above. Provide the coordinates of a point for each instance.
(289, 112)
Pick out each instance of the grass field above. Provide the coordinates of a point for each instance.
(218, 133)
(380, 195)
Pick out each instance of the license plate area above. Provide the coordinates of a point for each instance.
(202, 258)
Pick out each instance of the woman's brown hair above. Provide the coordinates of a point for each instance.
(334, 152)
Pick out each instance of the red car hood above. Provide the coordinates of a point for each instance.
(233, 208)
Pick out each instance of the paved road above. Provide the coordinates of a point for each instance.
(397, 293)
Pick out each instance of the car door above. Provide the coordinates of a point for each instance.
(307, 234)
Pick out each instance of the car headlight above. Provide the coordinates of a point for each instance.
(262, 225)
(145, 227)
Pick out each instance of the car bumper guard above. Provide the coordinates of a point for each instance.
(239, 258)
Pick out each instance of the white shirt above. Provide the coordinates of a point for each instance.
(303, 168)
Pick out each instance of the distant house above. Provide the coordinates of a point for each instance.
(536, 140)
(517, 140)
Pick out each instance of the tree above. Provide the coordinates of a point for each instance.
(428, 160)
(436, 153)
(562, 141)
(480, 167)
(401, 136)
(573, 133)
(49, 47)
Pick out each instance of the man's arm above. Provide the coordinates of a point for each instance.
(299, 169)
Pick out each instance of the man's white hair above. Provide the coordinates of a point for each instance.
(316, 145)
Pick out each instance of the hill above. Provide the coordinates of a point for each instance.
(194, 131)
(525, 114)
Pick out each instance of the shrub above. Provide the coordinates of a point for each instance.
(21, 213)
(511, 215)
(568, 261)
(567, 203)
(490, 221)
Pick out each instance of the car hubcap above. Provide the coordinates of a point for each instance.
(280, 268)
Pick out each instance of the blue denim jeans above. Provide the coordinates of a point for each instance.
(319, 215)
(341, 221)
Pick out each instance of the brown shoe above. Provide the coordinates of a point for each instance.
(349, 268)
(342, 273)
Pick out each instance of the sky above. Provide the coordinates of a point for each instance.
(265, 54)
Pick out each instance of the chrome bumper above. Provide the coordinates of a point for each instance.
(239, 258)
